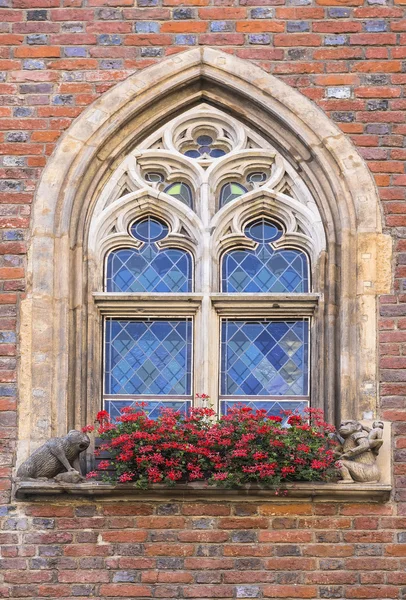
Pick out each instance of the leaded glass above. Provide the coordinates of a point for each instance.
(230, 191)
(149, 268)
(264, 358)
(256, 177)
(153, 177)
(148, 357)
(265, 269)
(204, 148)
(274, 408)
(152, 408)
(181, 191)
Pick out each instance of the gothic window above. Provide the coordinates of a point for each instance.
(265, 269)
(210, 242)
(149, 269)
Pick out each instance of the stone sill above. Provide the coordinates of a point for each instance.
(317, 492)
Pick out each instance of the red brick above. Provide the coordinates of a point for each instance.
(161, 522)
(337, 26)
(208, 563)
(184, 27)
(288, 536)
(166, 577)
(208, 509)
(125, 537)
(203, 536)
(222, 13)
(243, 523)
(260, 27)
(177, 549)
(290, 591)
(53, 590)
(89, 576)
(131, 590)
(208, 591)
(127, 508)
(297, 13)
(297, 39)
(369, 592)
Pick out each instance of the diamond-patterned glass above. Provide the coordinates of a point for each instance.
(149, 269)
(265, 269)
(264, 358)
(273, 408)
(144, 357)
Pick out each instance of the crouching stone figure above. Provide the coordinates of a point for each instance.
(358, 450)
(58, 458)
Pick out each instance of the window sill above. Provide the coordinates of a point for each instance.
(318, 492)
(265, 305)
(135, 305)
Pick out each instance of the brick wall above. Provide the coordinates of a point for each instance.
(56, 57)
(203, 550)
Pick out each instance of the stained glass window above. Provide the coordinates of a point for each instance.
(230, 191)
(181, 191)
(153, 177)
(204, 148)
(148, 357)
(149, 268)
(265, 269)
(256, 177)
(264, 358)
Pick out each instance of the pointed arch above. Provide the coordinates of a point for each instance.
(55, 353)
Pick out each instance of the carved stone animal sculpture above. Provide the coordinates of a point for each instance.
(58, 455)
(357, 460)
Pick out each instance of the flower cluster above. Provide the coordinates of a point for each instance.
(242, 447)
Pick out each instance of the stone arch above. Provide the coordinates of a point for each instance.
(55, 358)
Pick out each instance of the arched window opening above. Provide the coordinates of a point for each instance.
(265, 269)
(149, 357)
(149, 269)
(230, 191)
(181, 191)
(257, 247)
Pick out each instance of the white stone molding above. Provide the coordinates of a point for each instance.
(265, 305)
(152, 305)
(59, 333)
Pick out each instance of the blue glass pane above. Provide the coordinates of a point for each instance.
(149, 230)
(149, 269)
(180, 191)
(229, 191)
(263, 231)
(192, 154)
(273, 408)
(148, 357)
(265, 269)
(264, 358)
(217, 152)
(152, 407)
(204, 140)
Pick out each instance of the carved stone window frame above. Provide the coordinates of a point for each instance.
(57, 355)
(207, 231)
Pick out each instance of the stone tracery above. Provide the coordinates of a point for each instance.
(178, 177)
